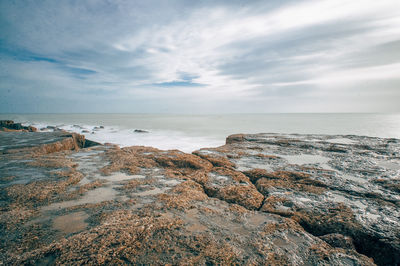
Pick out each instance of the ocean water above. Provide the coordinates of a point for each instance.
(191, 132)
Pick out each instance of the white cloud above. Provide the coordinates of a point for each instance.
(196, 45)
(237, 53)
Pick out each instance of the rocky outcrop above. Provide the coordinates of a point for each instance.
(342, 189)
(140, 131)
(260, 199)
(9, 125)
(43, 142)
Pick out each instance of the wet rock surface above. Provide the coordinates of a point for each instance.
(346, 185)
(260, 199)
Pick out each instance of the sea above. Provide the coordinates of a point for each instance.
(191, 132)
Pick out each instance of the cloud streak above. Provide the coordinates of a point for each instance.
(210, 56)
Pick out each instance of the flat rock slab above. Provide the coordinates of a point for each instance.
(18, 140)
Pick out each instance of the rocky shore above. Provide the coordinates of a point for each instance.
(270, 199)
(9, 125)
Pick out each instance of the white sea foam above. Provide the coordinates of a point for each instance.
(191, 132)
(161, 139)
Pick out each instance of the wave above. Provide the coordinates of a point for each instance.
(161, 139)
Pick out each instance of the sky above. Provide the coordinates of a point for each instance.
(199, 56)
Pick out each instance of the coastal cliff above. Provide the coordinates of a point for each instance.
(273, 199)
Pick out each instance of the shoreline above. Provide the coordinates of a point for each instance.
(211, 130)
(275, 198)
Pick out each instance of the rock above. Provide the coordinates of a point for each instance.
(140, 131)
(9, 125)
(234, 187)
(43, 143)
(55, 128)
(90, 143)
(264, 198)
(235, 138)
(31, 129)
(338, 241)
(332, 185)
(85, 131)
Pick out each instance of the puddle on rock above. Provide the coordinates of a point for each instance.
(372, 216)
(341, 141)
(84, 181)
(248, 163)
(106, 193)
(192, 223)
(308, 159)
(342, 199)
(305, 159)
(114, 177)
(71, 223)
(91, 197)
(354, 178)
(119, 176)
(151, 192)
(171, 182)
(196, 228)
(389, 165)
(218, 177)
(256, 219)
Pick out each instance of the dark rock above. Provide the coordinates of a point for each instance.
(90, 143)
(6, 125)
(31, 129)
(235, 138)
(55, 128)
(140, 131)
(338, 241)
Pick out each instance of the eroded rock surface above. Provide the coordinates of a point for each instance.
(260, 199)
(343, 189)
